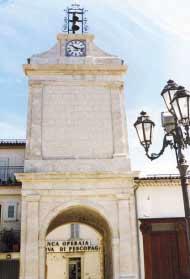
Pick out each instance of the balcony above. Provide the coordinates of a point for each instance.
(7, 174)
(9, 241)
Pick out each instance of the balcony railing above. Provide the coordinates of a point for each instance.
(9, 241)
(7, 174)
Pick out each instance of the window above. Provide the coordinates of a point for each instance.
(75, 230)
(10, 212)
(4, 163)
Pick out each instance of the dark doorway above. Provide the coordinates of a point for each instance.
(74, 268)
(165, 249)
(165, 258)
(9, 269)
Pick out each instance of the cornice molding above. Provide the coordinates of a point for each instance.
(66, 37)
(167, 182)
(10, 191)
(97, 83)
(73, 69)
(29, 177)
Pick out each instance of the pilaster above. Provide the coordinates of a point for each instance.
(128, 243)
(30, 237)
(118, 123)
(116, 257)
(34, 132)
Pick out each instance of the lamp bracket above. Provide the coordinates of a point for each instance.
(166, 143)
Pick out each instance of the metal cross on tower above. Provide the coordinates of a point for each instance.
(75, 21)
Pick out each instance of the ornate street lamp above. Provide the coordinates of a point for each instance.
(168, 93)
(176, 123)
(180, 105)
(144, 127)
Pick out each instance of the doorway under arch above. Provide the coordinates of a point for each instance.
(87, 216)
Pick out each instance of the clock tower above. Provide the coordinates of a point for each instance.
(76, 120)
(77, 166)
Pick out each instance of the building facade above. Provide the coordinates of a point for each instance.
(77, 167)
(75, 199)
(78, 248)
(163, 248)
(11, 161)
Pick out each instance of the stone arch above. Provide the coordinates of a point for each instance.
(65, 206)
(85, 214)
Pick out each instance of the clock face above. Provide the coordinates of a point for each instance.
(76, 48)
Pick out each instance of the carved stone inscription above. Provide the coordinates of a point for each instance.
(76, 122)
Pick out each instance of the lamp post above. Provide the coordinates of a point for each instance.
(176, 123)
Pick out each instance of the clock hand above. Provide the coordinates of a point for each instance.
(75, 47)
(78, 47)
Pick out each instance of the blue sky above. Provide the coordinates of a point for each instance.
(153, 37)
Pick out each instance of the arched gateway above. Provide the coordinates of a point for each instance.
(90, 217)
(77, 166)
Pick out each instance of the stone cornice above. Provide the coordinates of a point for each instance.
(166, 182)
(8, 190)
(108, 84)
(43, 177)
(65, 37)
(73, 69)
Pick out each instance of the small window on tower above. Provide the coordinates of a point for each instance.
(75, 230)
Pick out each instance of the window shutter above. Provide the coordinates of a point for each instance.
(75, 230)
(72, 230)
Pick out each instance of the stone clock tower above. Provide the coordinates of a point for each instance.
(76, 120)
(77, 166)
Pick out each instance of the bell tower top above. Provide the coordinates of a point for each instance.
(76, 114)
(75, 21)
(74, 47)
(75, 51)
